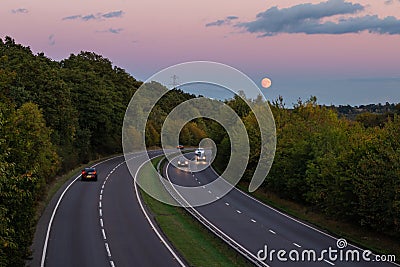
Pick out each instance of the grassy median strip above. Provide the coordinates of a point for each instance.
(191, 239)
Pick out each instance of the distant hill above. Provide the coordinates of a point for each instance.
(370, 115)
(351, 112)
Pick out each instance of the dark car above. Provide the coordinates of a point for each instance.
(89, 174)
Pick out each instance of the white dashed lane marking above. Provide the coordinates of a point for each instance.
(104, 234)
(108, 250)
(253, 220)
(226, 203)
(238, 211)
(100, 212)
(272, 232)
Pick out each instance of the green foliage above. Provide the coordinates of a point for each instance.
(53, 116)
(100, 94)
(338, 166)
(27, 160)
(373, 120)
(348, 170)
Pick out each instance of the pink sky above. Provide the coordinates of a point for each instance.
(151, 35)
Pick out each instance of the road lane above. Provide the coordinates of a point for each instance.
(101, 223)
(254, 225)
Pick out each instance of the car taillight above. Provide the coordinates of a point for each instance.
(94, 172)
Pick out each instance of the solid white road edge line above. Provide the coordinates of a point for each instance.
(294, 219)
(215, 227)
(148, 218)
(46, 240)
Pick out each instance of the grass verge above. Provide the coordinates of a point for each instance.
(191, 239)
(373, 241)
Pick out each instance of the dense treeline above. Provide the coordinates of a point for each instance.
(192, 132)
(351, 112)
(27, 159)
(343, 168)
(53, 116)
(339, 166)
(82, 98)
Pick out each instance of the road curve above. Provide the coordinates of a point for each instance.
(254, 225)
(100, 223)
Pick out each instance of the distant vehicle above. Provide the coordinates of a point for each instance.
(89, 174)
(200, 154)
(199, 151)
(180, 147)
(183, 162)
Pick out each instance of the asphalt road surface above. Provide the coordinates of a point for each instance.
(103, 224)
(259, 228)
(100, 224)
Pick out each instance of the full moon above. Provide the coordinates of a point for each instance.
(266, 83)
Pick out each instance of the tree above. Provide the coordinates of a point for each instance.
(27, 160)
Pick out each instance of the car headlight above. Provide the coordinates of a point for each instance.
(179, 162)
(186, 162)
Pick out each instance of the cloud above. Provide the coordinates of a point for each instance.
(312, 19)
(389, 2)
(216, 23)
(115, 31)
(114, 14)
(112, 30)
(232, 17)
(72, 17)
(19, 11)
(51, 40)
(88, 17)
(221, 22)
(98, 16)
